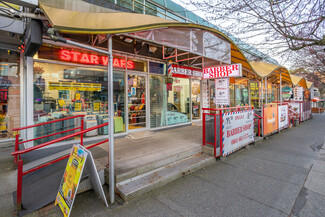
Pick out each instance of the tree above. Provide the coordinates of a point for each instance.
(273, 24)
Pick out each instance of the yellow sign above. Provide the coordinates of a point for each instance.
(77, 106)
(74, 86)
(96, 106)
(78, 95)
(61, 103)
(71, 178)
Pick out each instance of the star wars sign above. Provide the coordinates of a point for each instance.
(226, 71)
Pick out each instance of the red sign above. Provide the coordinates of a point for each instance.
(93, 59)
(234, 70)
(184, 72)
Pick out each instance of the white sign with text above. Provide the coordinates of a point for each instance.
(238, 130)
(283, 116)
(222, 91)
(226, 71)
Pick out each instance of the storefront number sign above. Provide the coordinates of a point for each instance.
(283, 116)
(78, 160)
(184, 72)
(226, 71)
(222, 91)
(238, 130)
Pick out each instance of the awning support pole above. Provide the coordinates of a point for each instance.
(111, 123)
(280, 87)
(265, 91)
(262, 94)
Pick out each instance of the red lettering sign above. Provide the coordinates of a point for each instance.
(93, 59)
(226, 71)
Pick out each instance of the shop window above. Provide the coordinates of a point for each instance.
(158, 101)
(232, 95)
(254, 90)
(196, 99)
(9, 99)
(62, 91)
(241, 95)
(178, 103)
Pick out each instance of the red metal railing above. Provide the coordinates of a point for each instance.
(259, 118)
(217, 112)
(17, 154)
(17, 143)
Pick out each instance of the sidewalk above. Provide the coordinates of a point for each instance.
(282, 176)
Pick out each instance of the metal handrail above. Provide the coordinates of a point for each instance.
(57, 140)
(21, 173)
(49, 122)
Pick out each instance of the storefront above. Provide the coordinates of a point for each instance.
(147, 94)
(10, 114)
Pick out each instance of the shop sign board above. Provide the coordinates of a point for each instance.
(225, 71)
(283, 116)
(271, 120)
(184, 72)
(205, 94)
(79, 158)
(295, 107)
(298, 93)
(74, 86)
(222, 91)
(286, 92)
(238, 130)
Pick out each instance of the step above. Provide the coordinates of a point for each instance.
(46, 159)
(155, 164)
(138, 185)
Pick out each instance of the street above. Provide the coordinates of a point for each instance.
(282, 176)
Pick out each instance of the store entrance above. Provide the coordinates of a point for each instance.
(137, 101)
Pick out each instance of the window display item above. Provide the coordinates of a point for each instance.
(104, 130)
(90, 121)
(100, 119)
(118, 124)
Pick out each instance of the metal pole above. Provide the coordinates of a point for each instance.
(262, 94)
(265, 90)
(281, 87)
(111, 123)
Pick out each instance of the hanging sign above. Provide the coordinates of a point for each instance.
(238, 130)
(286, 92)
(78, 160)
(184, 72)
(226, 71)
(222, 91)
(298, 93)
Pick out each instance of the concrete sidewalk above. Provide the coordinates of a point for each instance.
(282, 176)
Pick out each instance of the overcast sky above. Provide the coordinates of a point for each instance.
(187, 5)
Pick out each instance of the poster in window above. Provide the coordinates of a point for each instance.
(222, 91)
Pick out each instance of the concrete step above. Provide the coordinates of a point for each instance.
(138, 185)
(46, 159)
(155, 164)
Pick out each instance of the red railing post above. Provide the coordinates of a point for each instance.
(215, 134)
(203, 130)
(19, 183)
(259, 125)
(16, 147)
(82, 135)
(221, 132)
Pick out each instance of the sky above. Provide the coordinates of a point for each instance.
(187, 5)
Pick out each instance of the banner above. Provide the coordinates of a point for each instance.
(270, 120)
(71, 178)
(222, 91)
(238, 130)
(283, 116)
